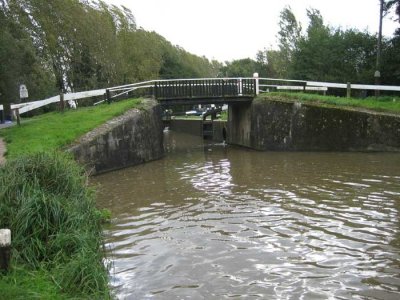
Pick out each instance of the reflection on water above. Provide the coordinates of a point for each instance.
(213, 222)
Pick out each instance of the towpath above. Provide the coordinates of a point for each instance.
(2, 151)
(3, 144)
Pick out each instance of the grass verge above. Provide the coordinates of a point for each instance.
(57, 242)
(57, 235)
(55, 130)
(21, 284)
(381, 104)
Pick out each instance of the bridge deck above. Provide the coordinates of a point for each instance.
(205, 91)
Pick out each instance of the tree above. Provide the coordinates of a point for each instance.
(391, 61)
(74, 45)
(19, 62)
(239, 68)
(269, 63)
(289, 35)
(314, 51)
(328, 54)
(393, 4)
(391, 53)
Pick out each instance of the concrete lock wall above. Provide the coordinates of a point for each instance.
(293, 126)
(239, 124)
(131, 139)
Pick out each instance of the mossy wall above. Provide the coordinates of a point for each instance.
(292, 126)
(131, 139)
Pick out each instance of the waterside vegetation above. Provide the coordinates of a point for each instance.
(57, 244)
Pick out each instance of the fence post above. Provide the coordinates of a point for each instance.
(18, 117)
(255, 76)
(377, 77)
(108, 97)
(348, 93)
(62, 104)
(5, 249)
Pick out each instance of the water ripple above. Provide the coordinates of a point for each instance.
(245, 224)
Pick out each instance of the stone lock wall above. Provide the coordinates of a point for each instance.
(133, 138)
(294, 126)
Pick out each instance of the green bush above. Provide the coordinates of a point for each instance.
(45, 201)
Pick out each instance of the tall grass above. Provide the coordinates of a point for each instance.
(381, 104)
(45, 201)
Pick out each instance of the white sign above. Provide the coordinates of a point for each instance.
(23, 91)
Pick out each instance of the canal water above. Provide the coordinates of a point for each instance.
(214, 222)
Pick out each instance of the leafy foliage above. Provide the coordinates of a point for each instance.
(325, 53)
(393, 4)
(75, 45)
(391, 61)
(239, 68)
(19, 62)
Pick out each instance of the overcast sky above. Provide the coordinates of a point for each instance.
(234, 29)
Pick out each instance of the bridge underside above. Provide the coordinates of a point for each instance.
(211, 100)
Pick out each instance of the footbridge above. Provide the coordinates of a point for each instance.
(192, 91)
(205, 91)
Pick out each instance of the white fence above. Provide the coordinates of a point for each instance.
(321, 86)
(28, 106)
(279, 84)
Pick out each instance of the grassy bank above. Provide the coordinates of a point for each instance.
(57, 241)
(381, 104)
(56, 130)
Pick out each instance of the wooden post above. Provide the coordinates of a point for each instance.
(5, 249)
(348, 94)
(108, 97)
(62, 104)
(377, 76)
(17, 115)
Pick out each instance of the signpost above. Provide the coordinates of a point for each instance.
(23, 94)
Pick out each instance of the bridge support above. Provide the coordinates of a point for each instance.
(239, 124)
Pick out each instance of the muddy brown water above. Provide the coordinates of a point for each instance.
(213, 222)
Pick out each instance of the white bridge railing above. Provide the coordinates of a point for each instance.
(262, 85)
